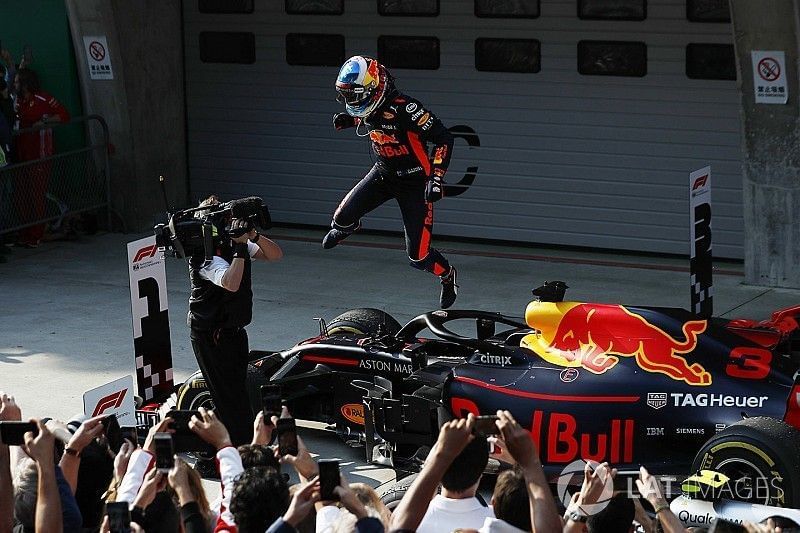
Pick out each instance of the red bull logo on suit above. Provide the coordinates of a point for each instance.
(595, 336)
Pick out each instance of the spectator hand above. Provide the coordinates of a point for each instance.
(518, 440)
(179, 480)
(40, 448)
(154, 481)
(122, 459)
(343, 121)
(302, 502)
(9, 410)
(210, 428)
(500, 451)
(434, 190)
(597, 485)
(454, 437)
(87, 432)
(302, 462)
(262, 430)
(161, 427)
(650, 488)
(349, 499)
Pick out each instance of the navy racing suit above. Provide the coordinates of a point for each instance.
(401, 131)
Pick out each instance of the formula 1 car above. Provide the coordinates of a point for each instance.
(634, 386)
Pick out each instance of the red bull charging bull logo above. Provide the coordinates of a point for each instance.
(595, 336)
(378, 137)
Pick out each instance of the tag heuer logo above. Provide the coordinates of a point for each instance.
(656, 400)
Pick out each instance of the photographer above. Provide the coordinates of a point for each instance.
(220, 306)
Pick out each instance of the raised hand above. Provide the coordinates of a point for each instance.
(210, 429)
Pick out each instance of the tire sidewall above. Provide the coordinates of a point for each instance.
(779, 485)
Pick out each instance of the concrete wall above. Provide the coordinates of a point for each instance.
(771, 146)
(143, 104)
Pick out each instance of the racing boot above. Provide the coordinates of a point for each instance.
(334, 237)
(449, 288)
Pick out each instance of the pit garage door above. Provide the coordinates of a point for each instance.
(589, 113)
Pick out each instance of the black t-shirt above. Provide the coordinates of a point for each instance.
(213, 307)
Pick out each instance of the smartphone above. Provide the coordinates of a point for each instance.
(486, 425)
(287, 436)
(165, 452)
(270, 401)
(180, 420)
(129, 433)
(113, 432)
(328, 479)
(13, 433)
(119, 517)
(184, 439)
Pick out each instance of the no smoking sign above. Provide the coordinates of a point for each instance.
(769, 69)
(97, 58)
(97, 51)
(769, 79)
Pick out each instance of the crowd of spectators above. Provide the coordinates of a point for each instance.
(65, 477)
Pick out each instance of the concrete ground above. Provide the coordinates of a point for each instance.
(65, 324)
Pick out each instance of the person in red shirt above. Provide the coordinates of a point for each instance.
(34, 107)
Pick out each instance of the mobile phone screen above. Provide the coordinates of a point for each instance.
(13, 433)
(287, 436)
(328, 478)
(486, 425)
(271, 401)
(119, 518)
(180, 420)
(165, 452)
(113, 432)
(184, 439)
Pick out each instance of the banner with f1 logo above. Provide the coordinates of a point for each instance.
(115, 398)
(151, 339)
(700, 264)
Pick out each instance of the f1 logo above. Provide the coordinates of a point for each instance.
(699, 182)
(112, 401)
(147, 251)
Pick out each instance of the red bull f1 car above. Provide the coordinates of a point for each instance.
(634, 386)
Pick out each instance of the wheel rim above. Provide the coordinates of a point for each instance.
(748, 483)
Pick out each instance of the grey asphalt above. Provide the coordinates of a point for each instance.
(65, 319)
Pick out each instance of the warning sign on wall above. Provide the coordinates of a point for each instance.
(769, 77)
(98, 58)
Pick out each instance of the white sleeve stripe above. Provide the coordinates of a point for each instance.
(252, 248)
(214, 271)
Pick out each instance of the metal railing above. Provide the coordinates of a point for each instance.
(54, 187)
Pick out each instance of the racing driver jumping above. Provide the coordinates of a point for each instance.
(400, 129)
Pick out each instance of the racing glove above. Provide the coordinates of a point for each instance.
(239, 227)
(434, 190)
(343, 121)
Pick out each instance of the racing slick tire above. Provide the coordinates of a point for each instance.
(760, 448)
(364, 321)
(194, 393)
(396, 490)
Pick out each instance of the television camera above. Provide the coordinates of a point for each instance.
(198, 230)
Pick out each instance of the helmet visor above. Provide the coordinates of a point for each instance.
(352, 94)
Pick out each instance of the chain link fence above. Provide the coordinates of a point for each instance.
(55, 187)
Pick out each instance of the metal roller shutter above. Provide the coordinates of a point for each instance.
(564, 158)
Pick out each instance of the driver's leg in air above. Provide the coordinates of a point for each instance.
(368, 194)
(418, 222)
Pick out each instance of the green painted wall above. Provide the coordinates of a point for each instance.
(43, 25)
